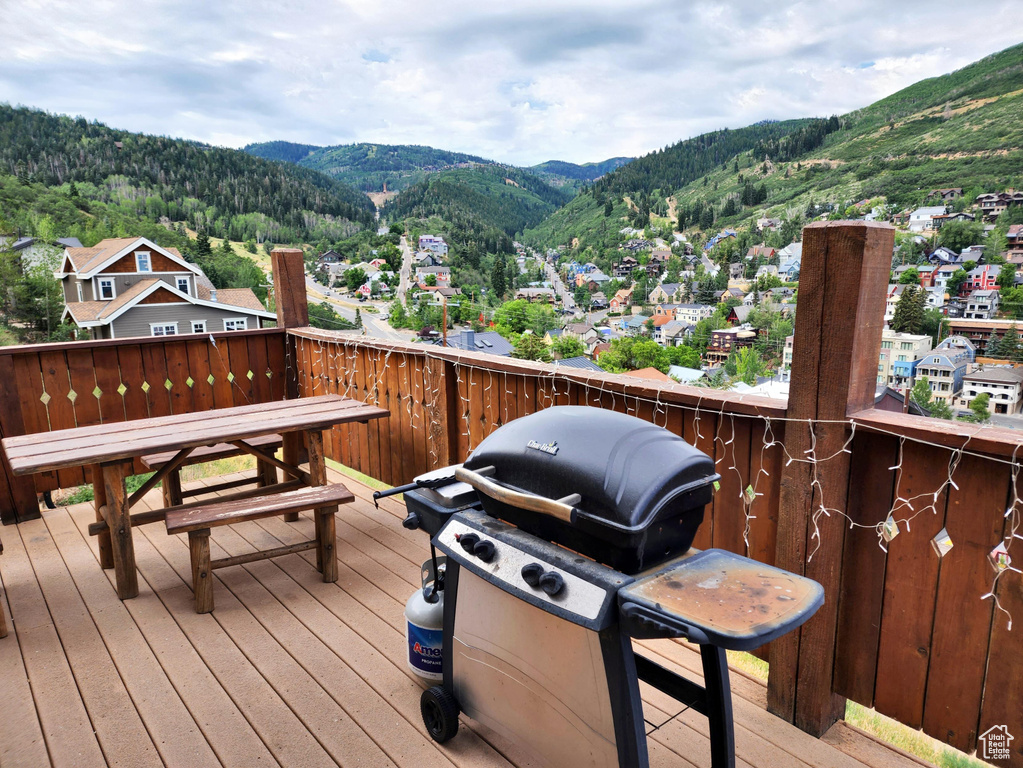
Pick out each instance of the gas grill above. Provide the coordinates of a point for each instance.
(567, 535)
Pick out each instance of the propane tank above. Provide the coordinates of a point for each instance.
(424, 623)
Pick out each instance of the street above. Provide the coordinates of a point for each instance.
(373, 324)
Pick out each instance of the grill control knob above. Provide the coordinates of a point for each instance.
(552, 583)
(468, 541)
(531, 574)
(484, 550)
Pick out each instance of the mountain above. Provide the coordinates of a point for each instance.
(151, 179)
(369, 167)
(957, 130)
(492, 202)
(561, 174)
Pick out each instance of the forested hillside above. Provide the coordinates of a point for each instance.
(488, 199)
(957, 130)
(226, 192)
(368, 166)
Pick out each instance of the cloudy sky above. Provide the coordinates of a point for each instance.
(520, 81)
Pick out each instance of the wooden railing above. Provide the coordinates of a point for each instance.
(46, 387)
(804, 484)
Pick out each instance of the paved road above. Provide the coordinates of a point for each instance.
(405, 276)
(375, 325)
(567, 299)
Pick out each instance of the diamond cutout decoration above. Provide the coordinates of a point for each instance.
(269, 373)
(942, 543)
(210, 379)
(890, 528)
(189, 381)
(168, 384)
(72, 395)
(97, 392)
(230, 377)
(999, 558)
(122, 389)
(145, 386)
(249, 375)
(44, 398)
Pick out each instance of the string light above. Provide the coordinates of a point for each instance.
(470, 388)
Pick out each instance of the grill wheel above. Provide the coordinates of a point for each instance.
(440, 713)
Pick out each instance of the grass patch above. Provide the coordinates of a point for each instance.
(355, 474)
(883, 728)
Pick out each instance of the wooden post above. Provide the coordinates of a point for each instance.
(290, 301)
(118, 517)
(18, 500)
(202, 574)
(99, 500)
(840, 315)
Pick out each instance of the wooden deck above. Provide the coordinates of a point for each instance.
(288, 670)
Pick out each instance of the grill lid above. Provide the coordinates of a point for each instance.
(628, 472)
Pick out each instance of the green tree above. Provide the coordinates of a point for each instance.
(431, 280)
(921, 395)
(202, 244)
(397, 316)
(529, 346)
(910, 277)
(354, 277)
(566, 346)
(1008, 346)
(498, 278)
(957, 235)
(955, 283)
(909, 312)
(1007, 276)
(979, 412)
(749, 365)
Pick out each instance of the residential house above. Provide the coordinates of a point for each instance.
(943, 255)
(788, 271)
(635, 325)
(666, 293)
(768, 224)
(581, 362)
(552, 335)
(331, 257)
(623, 269)
(761, 252)
(724, 340)
(427, 259)
(920, 219)
(767, 270)
(621, 300)
(660, 254)
(724, 234)
(673, 334)
(1003, 383)
(649, 373)
(981, 333)
(486, 342)
(993, 203)
(691, 314)
(937, 222)
(636, 245)
(981, 305)
(946, 195)
(133, 287)
(545, 295)
(596, 280)
(32, 251)
(945, 367)
(898, 358)
(982, 278)
(786, 355)
(782, 293)
(1014, 240)
(973, 253)
(442, 274)
(941, 276)
(791, 251)
(598, 301)
(433, 243)
(684, 375)
(895, 291)
(584, 332)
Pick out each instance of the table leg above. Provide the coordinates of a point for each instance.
(99, 494)
(118, 517)
(326, 555)
(291, 447)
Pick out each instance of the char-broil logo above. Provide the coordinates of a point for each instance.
(996, 743)
(551, 447)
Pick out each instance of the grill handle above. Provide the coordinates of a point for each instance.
(562, 509)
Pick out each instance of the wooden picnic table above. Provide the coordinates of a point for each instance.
(109, 449)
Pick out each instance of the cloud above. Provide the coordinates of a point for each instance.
(578, 80)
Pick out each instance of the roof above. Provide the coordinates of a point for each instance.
(660, 320)
(86, 261)
(240, 297)
(649, 373)
(580, 362)
(683, 374)
(670, 288)
(998, 374)
(490, 342)
(579, 328)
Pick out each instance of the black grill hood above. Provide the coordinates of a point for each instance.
(643, 489)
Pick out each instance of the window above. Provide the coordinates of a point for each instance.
(106, 288)
(183, 284)
(142, 261)
(198, 326)
(886, 345)
(79, 287)
(164, 329)
(906, 345)
(236, 324)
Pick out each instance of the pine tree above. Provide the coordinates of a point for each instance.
(202, 244)
(497, 276)
(909, 312)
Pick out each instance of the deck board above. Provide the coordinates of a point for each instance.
(287, 670)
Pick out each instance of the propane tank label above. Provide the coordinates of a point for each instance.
(424, 650)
